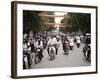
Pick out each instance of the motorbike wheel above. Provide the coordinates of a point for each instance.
(37, 60)
(52, 56)
(71, 47)
(78, 45)
(66, 52)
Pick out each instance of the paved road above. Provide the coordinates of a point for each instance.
(74, 59)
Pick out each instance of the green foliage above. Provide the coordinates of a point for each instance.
(50, 12)
(51, 20)
(31, 21)
(79, 21)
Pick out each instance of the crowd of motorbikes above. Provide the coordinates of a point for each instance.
(33, 56)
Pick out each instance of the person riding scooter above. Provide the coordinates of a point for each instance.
(66, 46)
(78, 41)
(87, 48)
(26, 53)
(71, 43)
(38, 50)
(51, 46)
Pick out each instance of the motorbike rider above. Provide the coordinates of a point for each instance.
(87, 47)
(87, 40)
(52, 41)
(27, 50)
(39, 45)
(44, 42)
(71, 43)
(78, 41)
(66, 45)
(24, 52)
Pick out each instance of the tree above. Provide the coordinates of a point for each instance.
(31, 21)
(79, 21)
